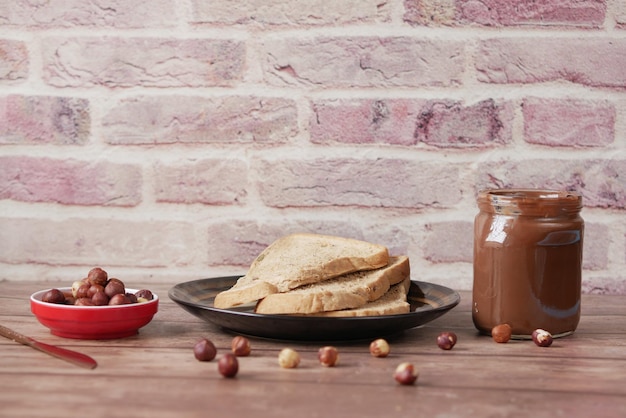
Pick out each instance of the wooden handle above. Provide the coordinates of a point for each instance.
(15, 336)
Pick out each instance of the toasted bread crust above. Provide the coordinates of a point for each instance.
(251, 292)
(344, 292)
(392, 303)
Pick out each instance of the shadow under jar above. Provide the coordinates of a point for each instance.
(528, 247)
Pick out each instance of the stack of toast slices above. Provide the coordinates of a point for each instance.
(323, 275)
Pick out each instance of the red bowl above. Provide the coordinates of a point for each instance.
(93, 322)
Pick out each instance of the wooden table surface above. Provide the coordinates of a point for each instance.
(154, 374)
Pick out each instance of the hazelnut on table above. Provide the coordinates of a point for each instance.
(204, 350)
(405, 374)
(328, 356)
(379, 348)
(501, 333)
(446, 340)
(542, 338)
(288, 358)
(228, 365)
(240, 346)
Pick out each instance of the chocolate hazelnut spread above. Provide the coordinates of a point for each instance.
(528, 247)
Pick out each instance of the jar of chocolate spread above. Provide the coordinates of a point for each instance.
(528, 248)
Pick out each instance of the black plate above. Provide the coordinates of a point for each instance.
(428, 302)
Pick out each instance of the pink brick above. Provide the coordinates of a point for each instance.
(429, 12)
(213, 182)
(239, 241)
(376, 183)
(93, 241)
(602, 182)
(449, 242)
(442, 123)
(76, 13)
(290, 12)
(396, 236)
(43, 119)
(14, 61)
(366, 121)
(364, 62)
(582, 13)
(596, 62)
(195, 119)
(69, 182)
(619, 10)
(596, 246)
(562, 122)
(450, 124)
(148, 62)
(613, 285)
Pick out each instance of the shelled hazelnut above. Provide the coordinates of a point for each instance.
(83, 291)
(379, 348)
(328, 356)
(228, 365)
(288, 358)
(144, 295)
(84, 302)
(76, 285)
(240, 346)
(114, 287)
(97, 276)
(542, 338)
(119, 299)
(93, 289)
(446, 340)
(100, 299)
(53, 296)
(204, 350)
(501, 333)
(405, 374)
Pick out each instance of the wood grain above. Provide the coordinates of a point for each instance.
(155, 373)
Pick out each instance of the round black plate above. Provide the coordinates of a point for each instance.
(428, 302)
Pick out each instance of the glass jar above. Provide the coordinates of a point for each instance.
(528, 248)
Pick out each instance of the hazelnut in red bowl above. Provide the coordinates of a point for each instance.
(71, 318)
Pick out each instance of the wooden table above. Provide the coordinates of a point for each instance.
(155, 374)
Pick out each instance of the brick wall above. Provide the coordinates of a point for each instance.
(169, 140)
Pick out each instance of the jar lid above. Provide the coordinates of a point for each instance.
(536, 202)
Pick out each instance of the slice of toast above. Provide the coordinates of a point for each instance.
(392, 303)
(300, 259)
(344, 292)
